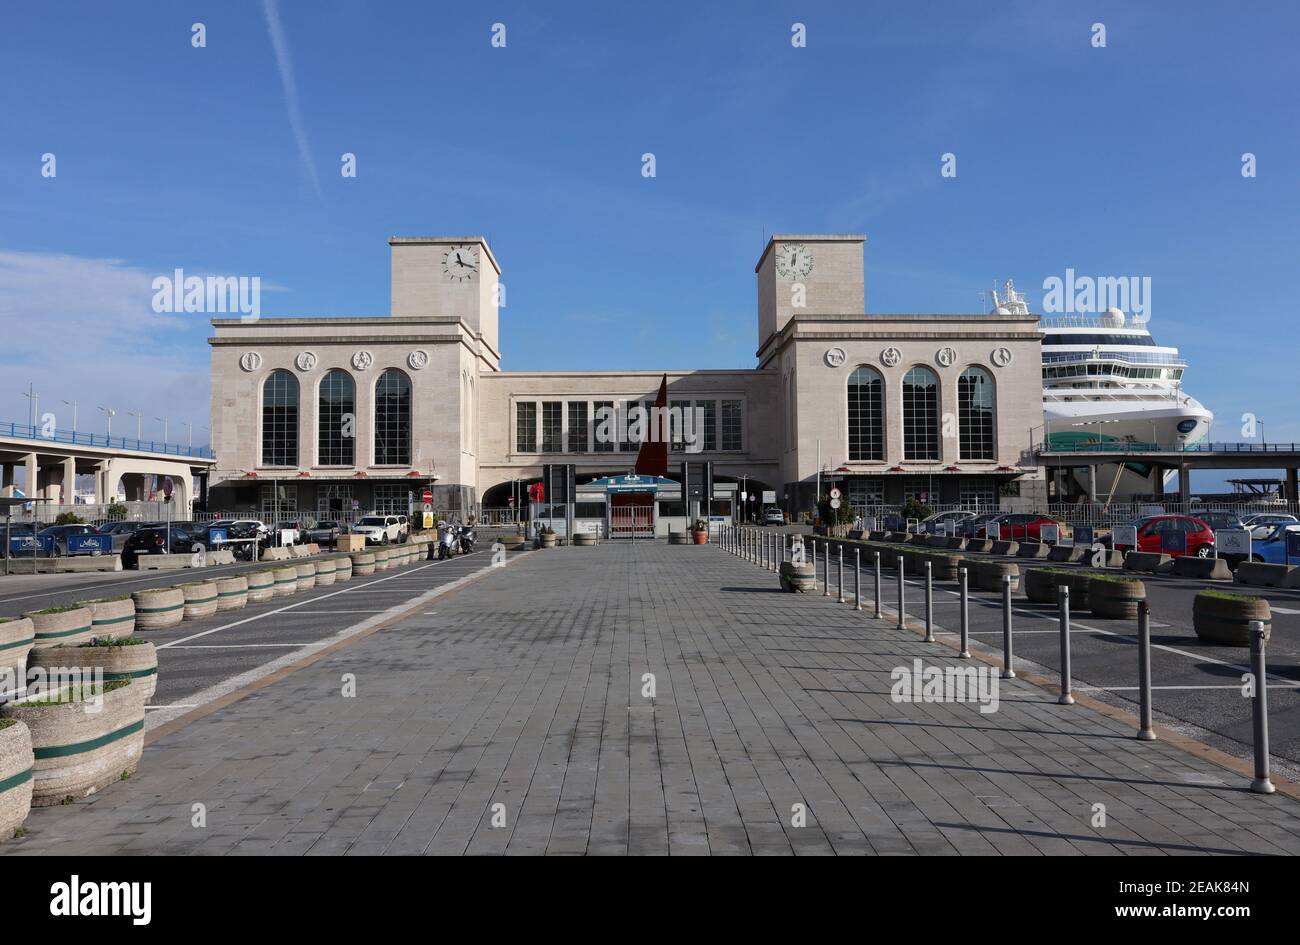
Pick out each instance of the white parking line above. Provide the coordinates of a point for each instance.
(233, 646)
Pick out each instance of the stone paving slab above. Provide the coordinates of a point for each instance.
(525, 691)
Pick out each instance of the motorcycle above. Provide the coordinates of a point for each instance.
(467, 539)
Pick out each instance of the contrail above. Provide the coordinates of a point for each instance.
(271, 9)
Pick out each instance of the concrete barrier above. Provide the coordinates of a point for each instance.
(16, 763)
(979, 545)
(1208, 569)
(164, 562)
(157, 608)
(221, 556)
(200, 599)
(80, 563)
(1263, 575)
(56, 626)
(1150, 562)
(77, 752)
(1007, 548)
(111, 617)
(275, 554)
(1066, 553)
(1033, 549)
(957, 544)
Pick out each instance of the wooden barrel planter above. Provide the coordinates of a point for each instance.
(16, 638)
(363, 563)
(130, 658)
(261, 585)
(200, 599)
(1115, 598)
(1224, 618)
(325, 572)
(111, 617)
(157, 608)
(55, 626)
(76, 752)
(679, 538)
(585, 539)
(342, 569)
(797, 578)
(232, 592)
(306, 575)
(16, 763)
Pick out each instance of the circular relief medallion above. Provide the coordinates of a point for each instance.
(946, 356)
(1001, 356)
(835, 357)
(250, 361)
(418, 359)
(306, 360)
(362, 360)
(890, 357)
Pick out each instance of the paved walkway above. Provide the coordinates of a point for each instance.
(524, 690)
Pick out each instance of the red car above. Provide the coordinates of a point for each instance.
(1151, 532)
(1023, 526)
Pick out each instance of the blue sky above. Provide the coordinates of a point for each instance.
(1117, 161)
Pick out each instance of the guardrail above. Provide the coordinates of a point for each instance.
(25, 431)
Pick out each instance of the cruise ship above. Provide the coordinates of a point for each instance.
(1105, 380)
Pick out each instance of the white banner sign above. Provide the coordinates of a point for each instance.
(1124, 535)
(769, 496)
(1049, 534)
(1232, 541)
(993, 530)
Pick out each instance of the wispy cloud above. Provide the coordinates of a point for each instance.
(271, 10)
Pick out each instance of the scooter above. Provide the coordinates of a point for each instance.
(467, 539)
(446, 541)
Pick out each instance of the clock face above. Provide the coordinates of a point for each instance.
(793, 260)
(460, 263)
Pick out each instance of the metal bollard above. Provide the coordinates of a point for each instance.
(1063, 596)
(965, 616)
(1259, 709)
(839, 577)
(1007, 671)
(857, 579)
(929, 606)
(1145, 732)
(813, 544)
(826, 570)
(902, 621)
(877, 613)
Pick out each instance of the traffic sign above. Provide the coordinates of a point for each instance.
(428, 496)
(835, 503)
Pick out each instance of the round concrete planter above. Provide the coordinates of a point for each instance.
(306, 575)
(514, 543)
(157, 608)
(989, 574)
(132, 658)
(363, 563)
(57, 627)
(679, 538)
(797, 578)
(409, 554)
(16, 638)
(16, 764)
(383, 558)
(200, 599)
(1040, 585)
(547, 539)
(585, 539)
(261, 585)
(285, 580)
(1225, 619)
(232, 592)
(76, 752)
(342, 569)
(1115, 599)
(942, 567)
(325, 572)
(111, 617)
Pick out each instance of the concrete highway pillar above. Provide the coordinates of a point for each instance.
(1092, 483)
(30, 484)
(7, 472)
(1291, 484)
(1184, 484)
(69, 495)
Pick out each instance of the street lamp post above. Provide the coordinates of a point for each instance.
(34, 400)
(164, 423)
(189, 433)
(110, 413)
(139, 424)
(73, 405)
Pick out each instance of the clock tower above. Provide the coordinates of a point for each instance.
(817, 275)
(447, 276)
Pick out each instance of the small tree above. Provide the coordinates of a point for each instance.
(837, 521)
(69, 518)
(914, 509)
(116, 510)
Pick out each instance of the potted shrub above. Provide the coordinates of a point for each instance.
(75, 751)
(129, 658)
(700, 532)
(1115, 597)
(16, 639)
(1224, 618)
(67, 623)
(15, 776)
(546, 537)
(111, 616)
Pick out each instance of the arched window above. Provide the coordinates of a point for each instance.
(280, 419)
(336, 424)
(920, 414)
(393, 419)
(975, 406)
(866, 415)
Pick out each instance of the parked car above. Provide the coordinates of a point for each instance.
(378, 529)
(1218, 520)
(179, 538)
(772, 515)
(1260, 523)
(950, 520)
(1200, 537)
(973, 527)
(1271, 548)
(1025, 526)
(61, 534)
(325, 533)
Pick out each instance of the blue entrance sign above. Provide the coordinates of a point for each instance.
(632, 483)
(27, 544)
(1173, 541)
(86, 544)
(217, 536)
(1083, 536)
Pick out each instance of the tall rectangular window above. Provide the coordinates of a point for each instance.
(525, 427)
(678, 416)
(606, 434)
(628, 443)
(579, 434)
(732, 425)
(710, 408)
(552, 427)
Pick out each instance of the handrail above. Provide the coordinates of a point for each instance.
(1121, 446)
(24, 431)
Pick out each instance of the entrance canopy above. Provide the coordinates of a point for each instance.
(631, 483)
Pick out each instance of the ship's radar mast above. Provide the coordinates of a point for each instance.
(1010, 302)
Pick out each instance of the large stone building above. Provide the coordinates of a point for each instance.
(327, 415)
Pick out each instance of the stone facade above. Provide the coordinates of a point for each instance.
(466, 442)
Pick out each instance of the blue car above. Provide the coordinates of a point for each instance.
(1271, 548)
